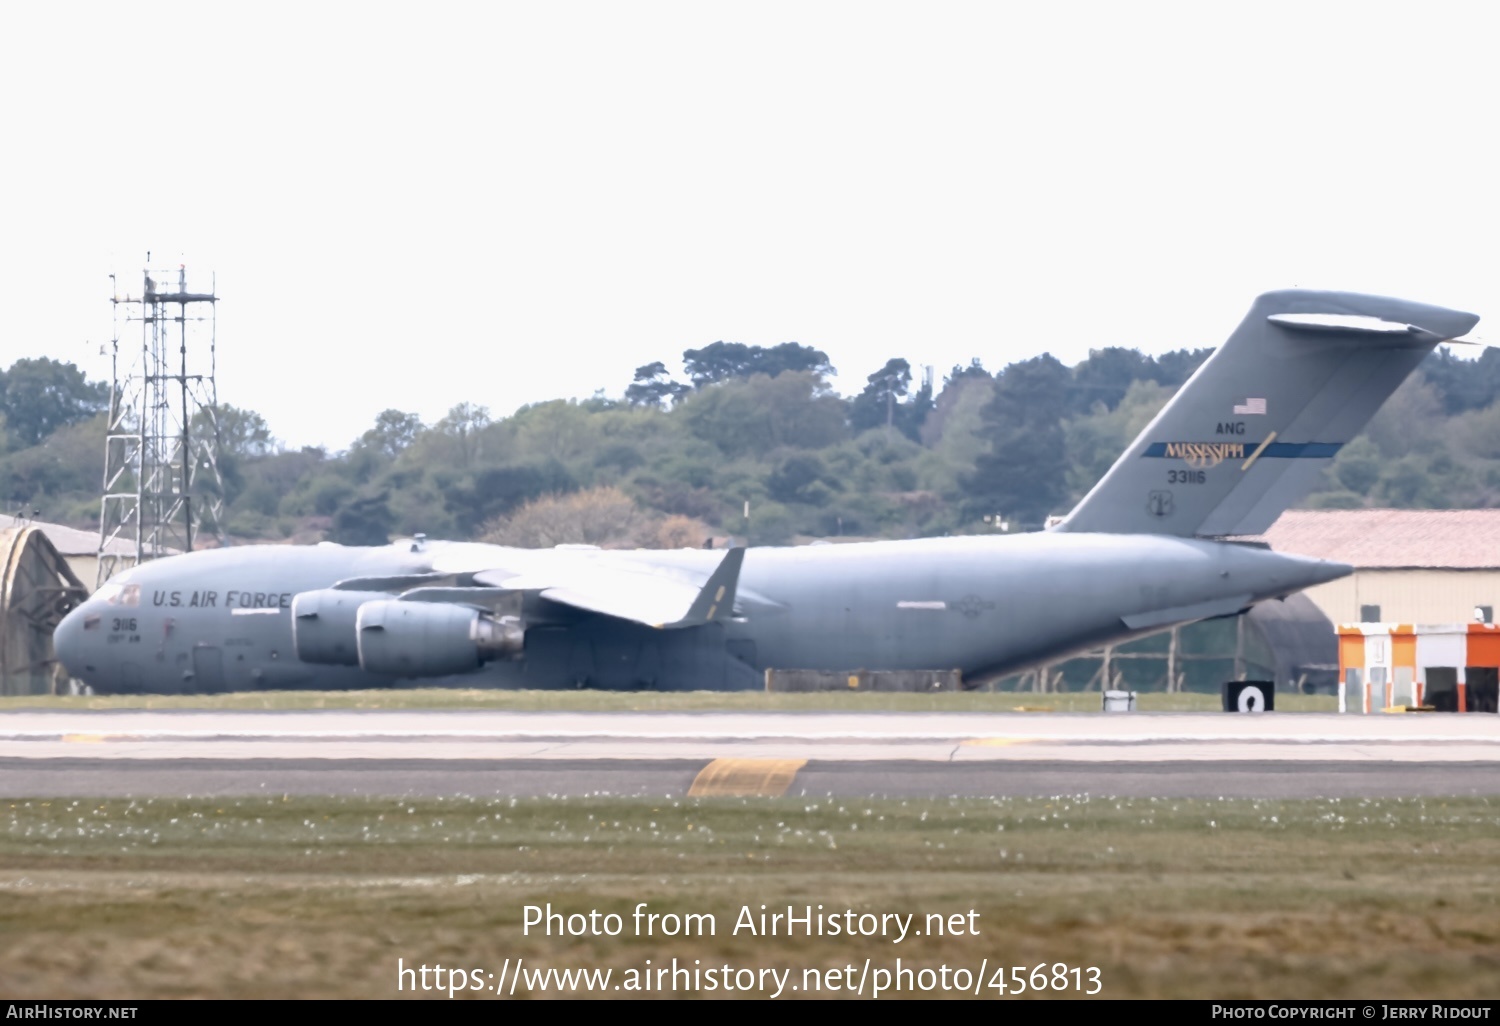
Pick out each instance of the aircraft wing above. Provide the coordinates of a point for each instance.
(624, 589)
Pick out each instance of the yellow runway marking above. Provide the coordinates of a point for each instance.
(734, 778)
(999, 742)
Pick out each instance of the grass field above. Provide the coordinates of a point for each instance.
(653, 701)
(292, 897)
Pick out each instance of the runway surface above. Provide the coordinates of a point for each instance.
(363, 752)
(102, 778)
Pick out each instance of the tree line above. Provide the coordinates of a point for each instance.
(677, 461)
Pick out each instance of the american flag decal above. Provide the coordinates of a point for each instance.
(1251, 408)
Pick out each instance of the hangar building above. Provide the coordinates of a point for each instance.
(79, 549)
(1410, 567)
(1417, 566)
(37, 589)
(48, 569)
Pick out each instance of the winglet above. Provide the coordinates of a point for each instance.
(716, 600)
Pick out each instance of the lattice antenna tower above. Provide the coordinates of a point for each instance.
(162, 485)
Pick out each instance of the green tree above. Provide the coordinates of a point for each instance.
(242, 434)
(59, 476)
(269, 479)
(770, 524)
(1023, 475)
(363, 521)
(556, 430)
(241, 437)
(1407, 484)
(1462, 384)
(886, 389)
(801, 477)
(912, 416)
(393, 433)
(960, 373)
(961, 386)
(476, 496)
(465, 424)
(42, 395)
(1174, 368)
(1357, 466)
(1095, 441)
(953, 434)
(654, 387)
(321, 495)
(1108, 373)
(761, 413)
(1478, 432)
(723, 361)
(1410, 421)
(887, 400)
(1106, 376)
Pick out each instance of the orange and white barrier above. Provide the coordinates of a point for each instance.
(1391, 665)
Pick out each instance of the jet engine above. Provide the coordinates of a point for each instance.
(323, 625)
(431, 639)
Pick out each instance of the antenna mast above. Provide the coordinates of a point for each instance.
(162, 485)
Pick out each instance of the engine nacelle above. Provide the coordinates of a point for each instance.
(323, 625)
(431, 639)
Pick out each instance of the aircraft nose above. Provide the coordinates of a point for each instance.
(70, 640)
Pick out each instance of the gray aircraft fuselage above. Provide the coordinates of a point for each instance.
(222, 619)
(1250, 432)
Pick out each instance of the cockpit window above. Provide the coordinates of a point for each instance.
(120, 594)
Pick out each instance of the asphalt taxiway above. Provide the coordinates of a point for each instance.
(346, 752)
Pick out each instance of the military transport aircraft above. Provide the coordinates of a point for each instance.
(1243, 439)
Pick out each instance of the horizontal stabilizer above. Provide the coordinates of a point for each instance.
(1346, 323)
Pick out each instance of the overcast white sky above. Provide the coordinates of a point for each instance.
(413, 206)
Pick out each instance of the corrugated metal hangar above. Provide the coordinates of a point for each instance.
(1430, 567)
(49, 568)
(37, 590)
(79, 549)
(1410, 565)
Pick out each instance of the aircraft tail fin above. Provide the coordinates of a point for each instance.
(1251, 431)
